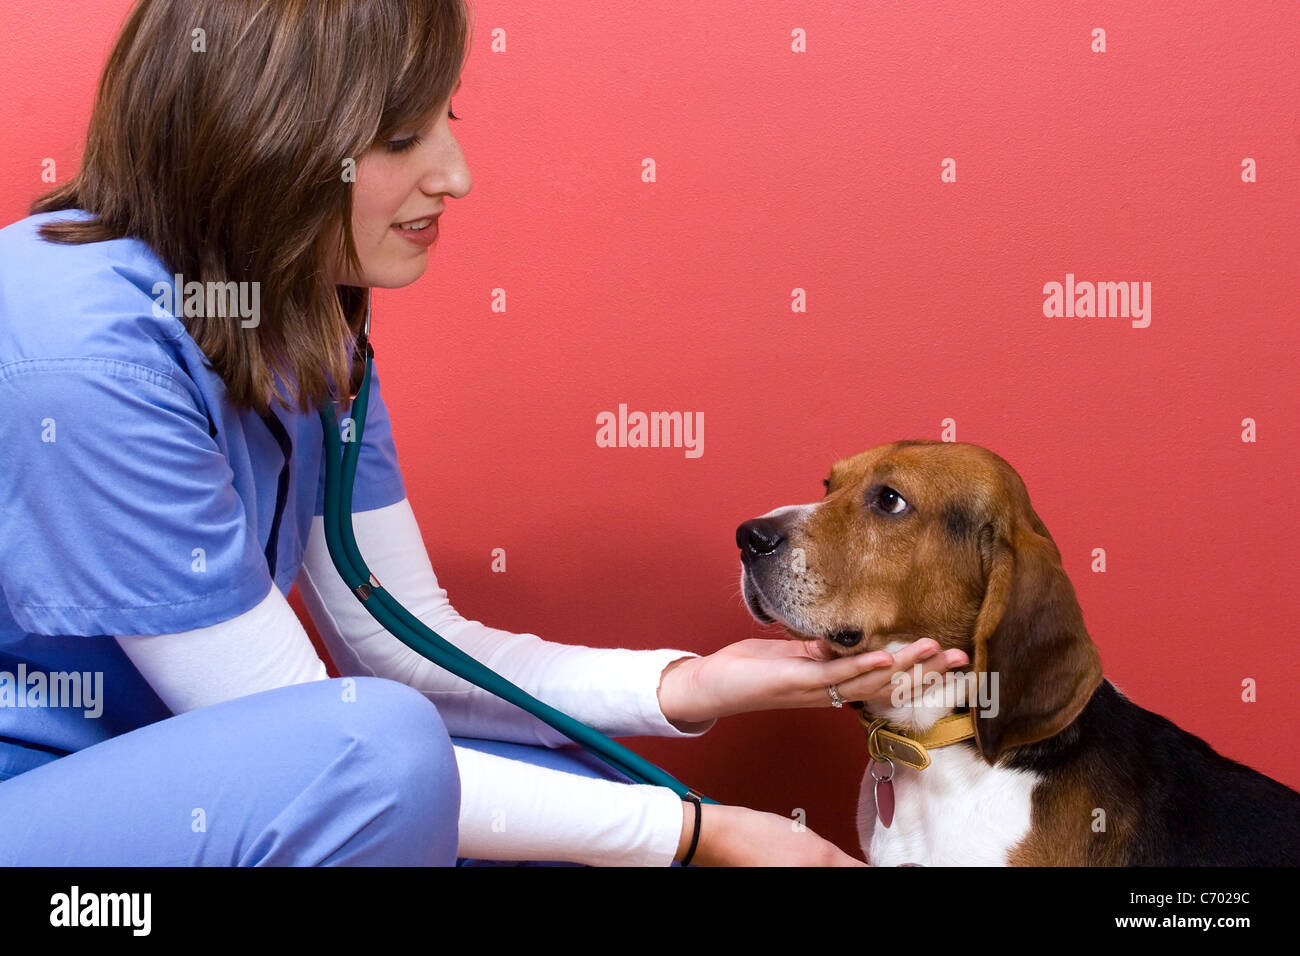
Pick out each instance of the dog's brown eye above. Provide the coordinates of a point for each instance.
(827, 483)
(890, 501)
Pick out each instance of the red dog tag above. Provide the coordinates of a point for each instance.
(884, 795)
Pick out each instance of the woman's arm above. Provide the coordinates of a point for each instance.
(509, 810)
(512, 810)
(614, 690)
(264, 647)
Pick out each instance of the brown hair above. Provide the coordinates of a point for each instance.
(229, 162)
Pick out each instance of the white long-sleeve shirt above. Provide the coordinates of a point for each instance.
(539, 813)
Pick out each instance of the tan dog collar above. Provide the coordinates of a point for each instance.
(909, 749)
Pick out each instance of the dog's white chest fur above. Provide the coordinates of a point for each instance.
(958, 811)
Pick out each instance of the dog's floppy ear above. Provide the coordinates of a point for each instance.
(1030, 632)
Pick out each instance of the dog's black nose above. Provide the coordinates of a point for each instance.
(758, 537)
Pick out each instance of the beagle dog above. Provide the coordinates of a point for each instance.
(1055, 767)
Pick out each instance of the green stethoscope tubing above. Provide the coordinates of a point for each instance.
(416, 635)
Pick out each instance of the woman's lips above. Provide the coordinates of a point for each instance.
(423, 237)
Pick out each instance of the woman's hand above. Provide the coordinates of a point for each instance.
(739, 836)
(770, 674)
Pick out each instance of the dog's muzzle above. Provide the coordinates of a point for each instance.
(763, 546)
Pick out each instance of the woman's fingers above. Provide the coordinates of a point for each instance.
(928, 652)
(874, 662)
(870, 676)
(882, 682)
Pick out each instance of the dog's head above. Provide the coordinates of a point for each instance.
(931, 539)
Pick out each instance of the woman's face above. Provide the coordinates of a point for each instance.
(403, 182)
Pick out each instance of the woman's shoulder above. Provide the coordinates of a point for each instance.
(96, 300)
(23, 247)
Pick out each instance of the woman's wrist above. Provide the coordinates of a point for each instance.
(679, 700)
(689, 832)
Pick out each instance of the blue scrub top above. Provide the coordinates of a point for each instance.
(134, 497)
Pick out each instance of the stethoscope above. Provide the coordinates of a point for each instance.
(408, 629)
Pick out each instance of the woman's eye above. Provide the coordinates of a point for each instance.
(410, 142)
(891, 502)
(402, 145)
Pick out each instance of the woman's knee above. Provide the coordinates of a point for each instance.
(343, 771)
(398, 742)
(397, 719)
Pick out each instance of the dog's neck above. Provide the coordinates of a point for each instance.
(912, 719)
(917, 719)
(892, 741)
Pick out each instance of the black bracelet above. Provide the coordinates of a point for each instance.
(694, 797)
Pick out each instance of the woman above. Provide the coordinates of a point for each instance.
(170, 321)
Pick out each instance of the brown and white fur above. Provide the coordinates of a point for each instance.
(938, 539)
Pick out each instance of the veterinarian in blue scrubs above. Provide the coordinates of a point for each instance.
(98, 533)
(138, 499)
(139, 502)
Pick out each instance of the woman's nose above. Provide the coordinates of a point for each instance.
(449, 173)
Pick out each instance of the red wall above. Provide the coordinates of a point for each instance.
(821, 170)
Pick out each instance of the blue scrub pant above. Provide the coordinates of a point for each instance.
(305, 775)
